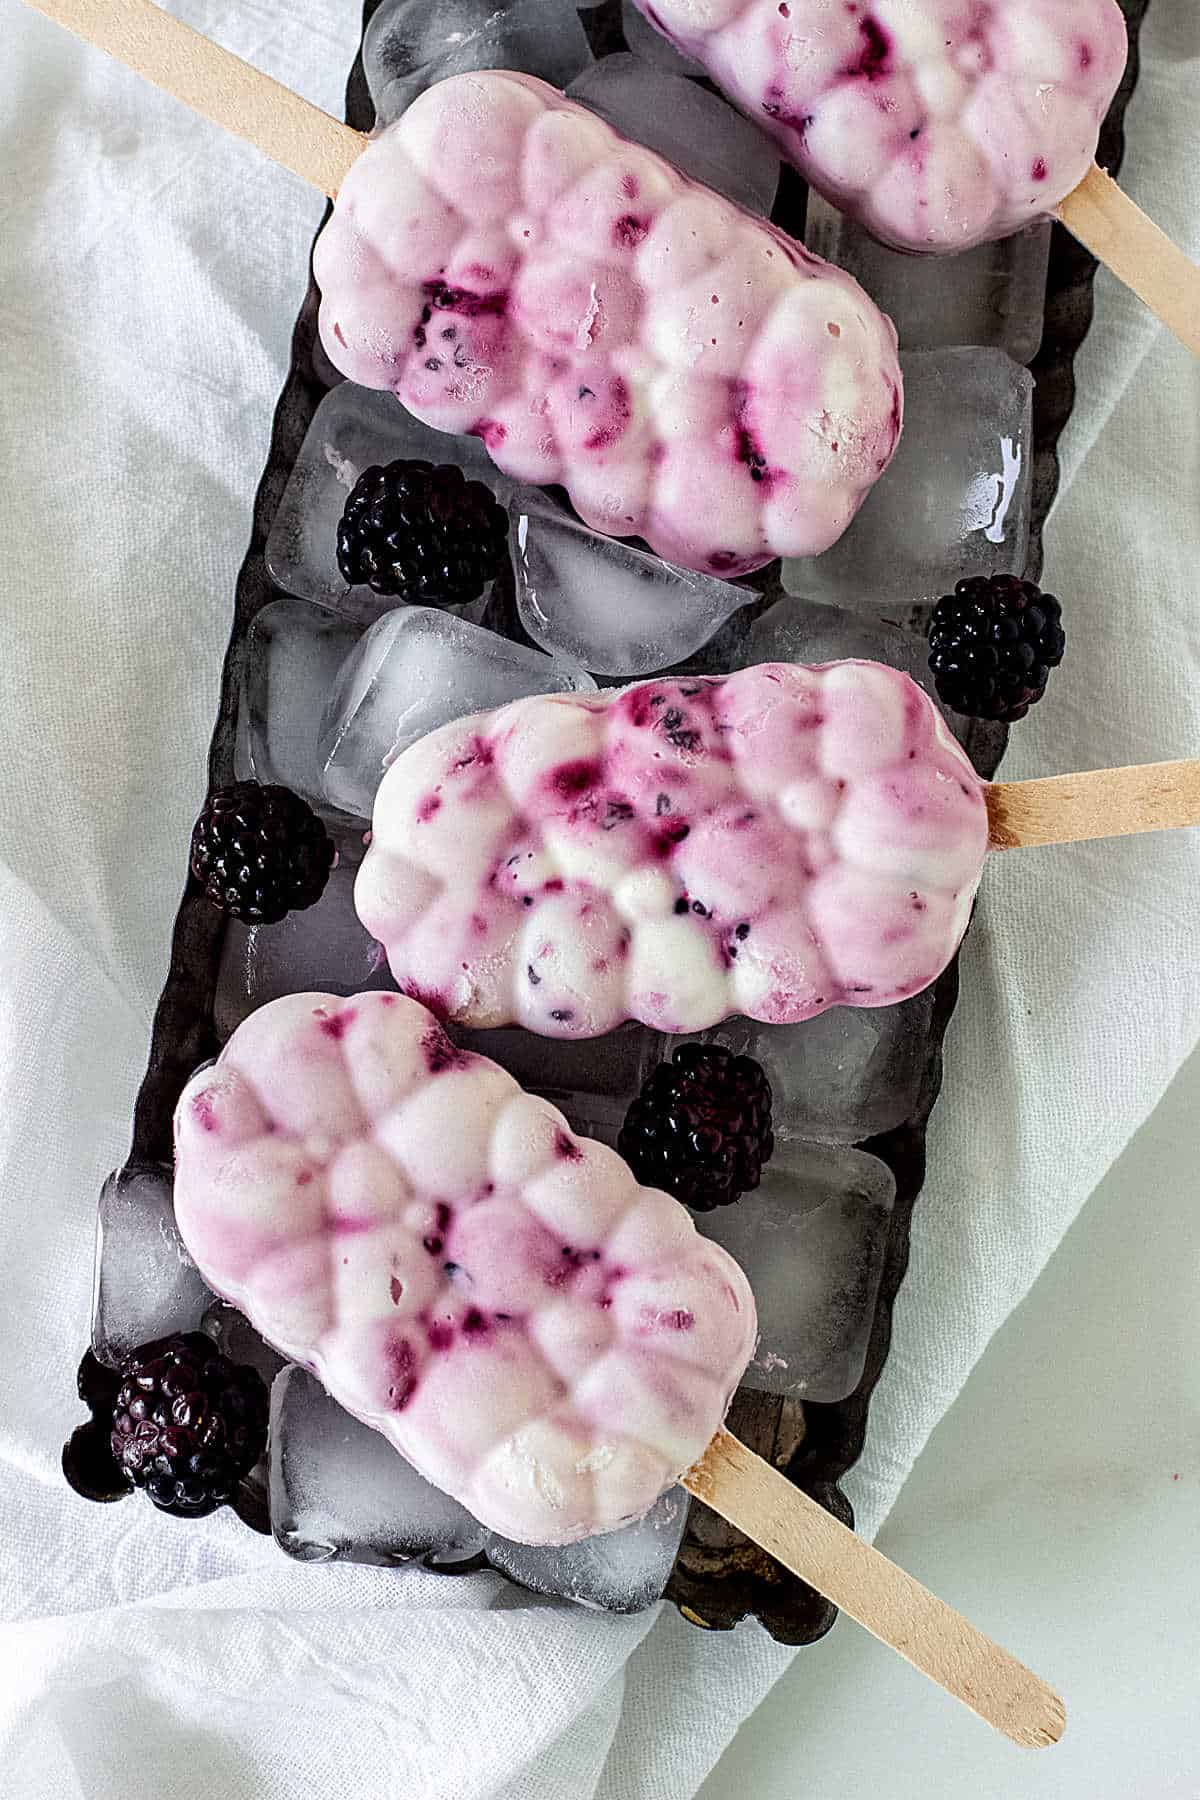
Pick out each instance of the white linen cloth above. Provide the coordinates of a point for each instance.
(149, 271)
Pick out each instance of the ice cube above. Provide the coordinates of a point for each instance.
(994, 294)
(955, 500)
(290, 661)
(352, 429)
(146, 1284)
(591, 1079)
(323, 949)
(410, 44)
(607, 606)
(340, 1493)
(843, 1076)
(693, 128)
(622, 1571)
(236, 1338)
(797, 630)
(811, 1239)
(414, 670)
(652, 46)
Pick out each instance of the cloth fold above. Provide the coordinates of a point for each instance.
(149, 270)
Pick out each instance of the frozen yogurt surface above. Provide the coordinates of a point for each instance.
(510, 267)
(936, 123)
(769, 843)
(541, 1337)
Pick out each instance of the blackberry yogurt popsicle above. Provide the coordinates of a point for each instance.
(509, 267)
(547, 1341)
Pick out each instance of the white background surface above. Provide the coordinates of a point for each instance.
(1057, 1505)
(149, 271)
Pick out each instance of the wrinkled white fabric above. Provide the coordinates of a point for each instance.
(149, 271)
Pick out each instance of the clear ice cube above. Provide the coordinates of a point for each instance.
(846, 1075)
(954, 501)
(414, 670)
(290, 662)
(605, 605)
(340, 1493)
(236, 1338)
(693, 128)
(146, 1284)
(652, 46)
(410, 44)
(323, 949)
(623, 1571)
(811, 1239)
(806, 631)
(591, 1079)
(352, 429)
(994, 294)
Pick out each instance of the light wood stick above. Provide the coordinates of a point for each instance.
(890, 1604)
(1062, 809)
(216, 84)
(1118, 233)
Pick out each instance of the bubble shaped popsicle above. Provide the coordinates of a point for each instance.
(769, 843)
(545, 1340)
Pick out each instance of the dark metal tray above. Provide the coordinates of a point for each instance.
(719, 1577)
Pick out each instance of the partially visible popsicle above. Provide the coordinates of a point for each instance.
(770, 843)
(937, 123)
(941, 123)
(544, 1339)
(509, 267)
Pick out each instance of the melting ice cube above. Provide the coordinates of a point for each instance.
(955, 500)
(290, 661)
(607, 606)
(811, 1239)
(414, 670)
(410, 44)
(146, 1284)
(323, 949)
(994, 294)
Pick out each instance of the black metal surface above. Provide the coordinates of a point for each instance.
(719, 1577)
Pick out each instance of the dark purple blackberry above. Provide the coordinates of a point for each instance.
(701, 1126)
(992, 645)
(260, 852)
(187, 1424)
(87, 1458)
(425, 534)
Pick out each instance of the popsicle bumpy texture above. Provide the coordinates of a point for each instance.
(539, 1336)
(509, 267)
(936, 123)
(768, 843)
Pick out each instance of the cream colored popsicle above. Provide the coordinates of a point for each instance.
(541, 1337)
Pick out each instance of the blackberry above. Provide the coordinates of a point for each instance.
(425, 534)
(187, 1424)
(992, 645)
(701, 1126)
(260, 852)
(87, 1458)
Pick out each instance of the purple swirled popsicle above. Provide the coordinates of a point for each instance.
(769, 843)
(510, 267)
(537, 1334)
(936, 123)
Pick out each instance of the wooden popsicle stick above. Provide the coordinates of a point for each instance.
(893, 1607)
(1063, 809)
(216, 84)
(1118, 233)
